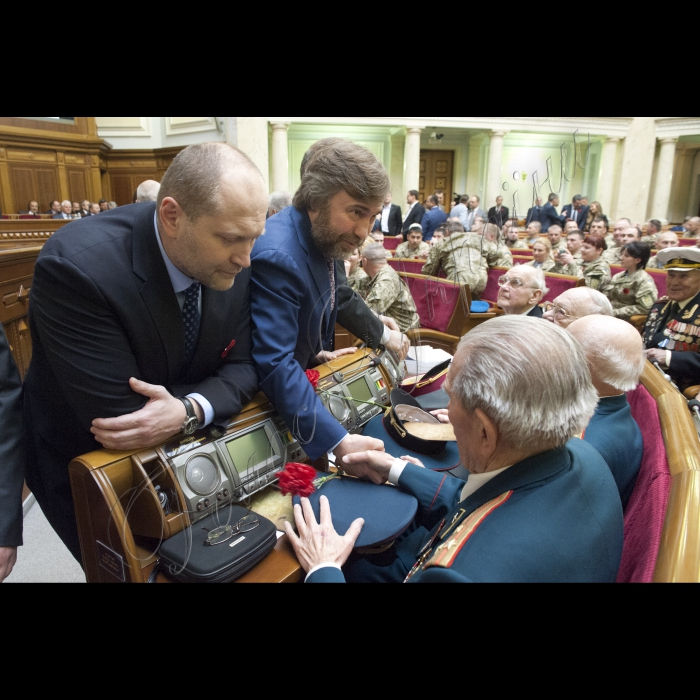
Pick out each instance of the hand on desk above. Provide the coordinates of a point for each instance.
(319, 543)
(160, 419)
(8, 559)
(325, 356)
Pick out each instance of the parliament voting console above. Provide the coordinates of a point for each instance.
(128, 504)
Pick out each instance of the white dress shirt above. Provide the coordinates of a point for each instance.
(386, 211)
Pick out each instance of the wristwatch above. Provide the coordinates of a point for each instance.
(191, 424)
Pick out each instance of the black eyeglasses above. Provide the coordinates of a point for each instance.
(224, 534)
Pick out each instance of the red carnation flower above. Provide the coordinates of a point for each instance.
(625, 291)
(297, 480)
(314, 376)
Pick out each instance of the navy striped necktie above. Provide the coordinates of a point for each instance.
(192, 320)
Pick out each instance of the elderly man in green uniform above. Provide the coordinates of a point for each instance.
(633, 292)
(385, 293)
(415, 246)
(672, 333)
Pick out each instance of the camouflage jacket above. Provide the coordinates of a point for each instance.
(654, 264)
(597, 275)
(465, 258)
(403, 251)
(387, 295)
(357, 280)
(551, 266)
(613, 256)
(632, 295)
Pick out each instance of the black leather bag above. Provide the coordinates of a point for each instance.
(194, 557)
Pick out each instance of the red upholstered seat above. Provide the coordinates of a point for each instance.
(524, 253)
(490, 294)
(437, 302)
(391, 244)
(557, 285)
(646, 512)
(413, 267)
(687, 242)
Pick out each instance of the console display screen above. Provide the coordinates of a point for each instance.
(251, 450)
(360, 391)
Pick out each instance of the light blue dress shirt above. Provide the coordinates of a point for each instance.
(181, 283)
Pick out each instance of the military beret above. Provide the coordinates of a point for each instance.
(680, 259)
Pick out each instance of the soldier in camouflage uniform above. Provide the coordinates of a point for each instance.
(356, 275)
(385, 293)
(653, 231)
(414, 247)
(633, 292)
(595, 270)
(464, 259)
(543, 260)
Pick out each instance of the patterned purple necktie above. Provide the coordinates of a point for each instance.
(192, 320)
(331, 270)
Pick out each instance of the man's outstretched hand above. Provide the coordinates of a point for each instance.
(319, 543)
(159, 420)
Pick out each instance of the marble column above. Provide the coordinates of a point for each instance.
(608, 165)
(664, 180)
(280, 157)
(494, 183)
(637, 169)
(411, 180)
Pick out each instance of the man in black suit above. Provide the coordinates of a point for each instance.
(415, 213)
(31, 211)
(391, 221)
(55, 209)
(11, 459)
(576, 212)
(139, 332)
(85, 208)
(499, 214)
(549, 216)
(535, 212)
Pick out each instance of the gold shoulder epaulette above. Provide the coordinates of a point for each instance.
(447, 553)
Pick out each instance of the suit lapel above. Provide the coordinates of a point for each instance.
(317, 264)
(158, 294)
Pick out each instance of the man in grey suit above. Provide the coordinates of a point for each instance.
(11, 459)
(475, 212)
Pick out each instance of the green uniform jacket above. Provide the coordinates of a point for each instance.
(387, 295)
(465, 258)
(632, 295)
(597, 275)
(613, 256)
(404, 252)
(358, 280)
(551, 266)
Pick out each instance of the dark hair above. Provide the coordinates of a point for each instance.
(414, 193)
(464, 199)
(580, 234)
(600, 219)
(578, 198)
(656, 224)
(317, 146)
(454, 227)
(596, 241)
(341, 166)
(103, 201)
(553, 196)
(434, 199)
(639, 250)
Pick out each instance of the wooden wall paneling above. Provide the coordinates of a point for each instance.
(122, 189)
(7, 201)
(47, 188)
(78, 185)
(23, 187)
(84, 126)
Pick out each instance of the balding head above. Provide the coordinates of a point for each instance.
(148, 191)
(526, 286)
(211, 208)
(693, 226)
(208, 178)
(667, 240)
(578, 303)
(615, 353)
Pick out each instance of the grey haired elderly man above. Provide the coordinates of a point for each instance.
(616, 358)
(279, 201)
(148, 191)
(539, 505)
(575, 304)
(522, 290)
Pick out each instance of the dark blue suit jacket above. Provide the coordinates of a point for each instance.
(582, 217)
(293, 322)
(561, 523)
(432, 219)
(535, 214)
(549, 217)
(11, 448)
(616, 435)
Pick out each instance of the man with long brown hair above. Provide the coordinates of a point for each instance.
(298, 289)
